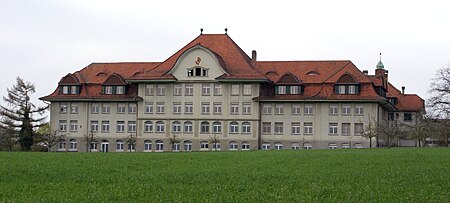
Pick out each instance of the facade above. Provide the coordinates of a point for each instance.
(210, 95)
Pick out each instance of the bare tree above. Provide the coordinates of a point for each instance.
(441, 130)
(90, 139)
(131, 141)
(420, 130)
(174, 140)
(391, 131)
(439, 101)
(370, 130)
(214, 140)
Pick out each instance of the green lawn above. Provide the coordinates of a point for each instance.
(355, 175)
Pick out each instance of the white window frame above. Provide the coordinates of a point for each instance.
(308, 128)
(94, 126)
(73, 125)
(105, 126)
(295, 128)
(346, 109)
(131, 126)
(177, 90)
(333, 110)
(177, 108)
(279, 109)
(206, 108)
(188, 125)
(267, 109)
(333, 128)
(308, 109)
(148, 126)
(161, 90)
(246, 108)
(359, 109)
(188, 89)
(247, 90)
(235, 90)
(160, 127)
(295, 109)
(121, 108)
(188, 107)
(246, 128)
(206, 89)
(279, 128)
(217, 89)
(217, 108)
(120, 126)
(160, 107)
(234, 108)
(234, 127)
(148, 107)
(149, 90)
(345, 129)
(266, 128)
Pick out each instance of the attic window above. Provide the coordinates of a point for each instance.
(101, 74)
(197, 72)
(113, 89)
(346, 89)
(289, 89)
(69, 89)
(312, 73)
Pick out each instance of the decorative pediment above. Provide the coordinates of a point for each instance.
(114, 79)
(69, 79)
(289, 78)
(347, 79)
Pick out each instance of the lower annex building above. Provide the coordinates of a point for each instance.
(210, 95)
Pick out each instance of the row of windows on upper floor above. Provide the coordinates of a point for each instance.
(106, 89)
(160, 127)
(308, 109)
(299, 89)
(278, 128)
(207, 89)
(407, 116)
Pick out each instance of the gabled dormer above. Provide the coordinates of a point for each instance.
(69, 84)
(347, 85)
(114, 84)
(289, 84)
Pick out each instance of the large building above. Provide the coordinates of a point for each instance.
(210, 95)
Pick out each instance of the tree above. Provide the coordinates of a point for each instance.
(20, 111)
(214, 140)
(49, 138)
(439, 102)
(441, 130)
(8, 136)
(90, 139)
(131, 141)
(391, 131)
(420, 130)
(174, 140)
(370, 130)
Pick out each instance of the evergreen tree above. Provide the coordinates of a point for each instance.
(20, 112)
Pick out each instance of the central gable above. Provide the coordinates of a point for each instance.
(198, 63)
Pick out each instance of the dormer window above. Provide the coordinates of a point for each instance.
(197, 72)
(393, 101)
(109, 89)
(69, 84)
(120, 90)
(289, 89)
(346, 85)
(69, 89)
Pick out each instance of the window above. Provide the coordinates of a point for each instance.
(106, 108)
(234, 127)
(149, 89)
(217, 127)
(73, 108)
(204, 127)
(188, 89)
(351, 89)
(359, 129)
(233, 145)
(332, 146)
(95, 108)
(94, 126)
(108, 90)
(345, 129)
(177, 107)
(333, 109)
(346, 89)
(358, 146)
(63, 108)
(216, 146)
(132, 108)
(281, 89)
(176, 147)
(73, 125)
(176, 127)
(148, 126)
(159, 127)
(147, 145)
(308, 110)
(346, 109)
(265, 146)
(159, 145)
(218, 89)
(65, 89)
(105, 126)
(149, 107)
(295, 109)
(72, 145)
(74, 90)
(245, 146)
(266, 128)
(294, 89)
(188, 108)
(246, 127)
(120, 90)
(246, 108)
(247, 90)
(391, 116)
(187, 145)
(120, 126)
(119, 145)
(188, 127)
(206, 89)
(278, 128)
(279, 109)
(204, 145)
(278, 146)
(120, 108)
(217, 108)
(161, 90)
(234, 108)
(345, 146)
(131, 126)
(267, 109)
(359, 109)
(197, 71)
(94, 146)
(205, 107)
(407, 117)
(63, 125)
(234, 89)
(295, 146)
(308, 128)
(62, 145)
(160, 107)
(177, 90)
(307, 145)
(295, 128)
(333, 128)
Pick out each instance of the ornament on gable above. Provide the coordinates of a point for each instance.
(198, 61)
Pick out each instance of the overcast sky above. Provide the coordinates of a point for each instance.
(41, 41)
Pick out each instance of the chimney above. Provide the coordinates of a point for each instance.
(366, 72)
(403, 89)
(254, 55)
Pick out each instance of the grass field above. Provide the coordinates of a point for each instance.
(350, 175)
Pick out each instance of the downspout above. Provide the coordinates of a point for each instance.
(378, 127)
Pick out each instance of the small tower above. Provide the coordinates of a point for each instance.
(382, 73)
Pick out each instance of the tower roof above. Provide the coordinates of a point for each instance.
(380, 64)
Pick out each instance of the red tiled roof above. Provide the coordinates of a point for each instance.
(236, 63)
(406, 102)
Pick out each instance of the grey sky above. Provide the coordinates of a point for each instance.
(41, 41)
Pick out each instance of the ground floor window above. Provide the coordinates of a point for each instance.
(176, 147)
(159, 145)
(119, 145)
(265, 146)
(307, 145)
(73, 145)
(204, 145)
(245, 146)
(187, 145)
(332, 146)
(233, 146)
(278, 146)
(295, 146)
(216, 146)
(345, 146)
(147, 145)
